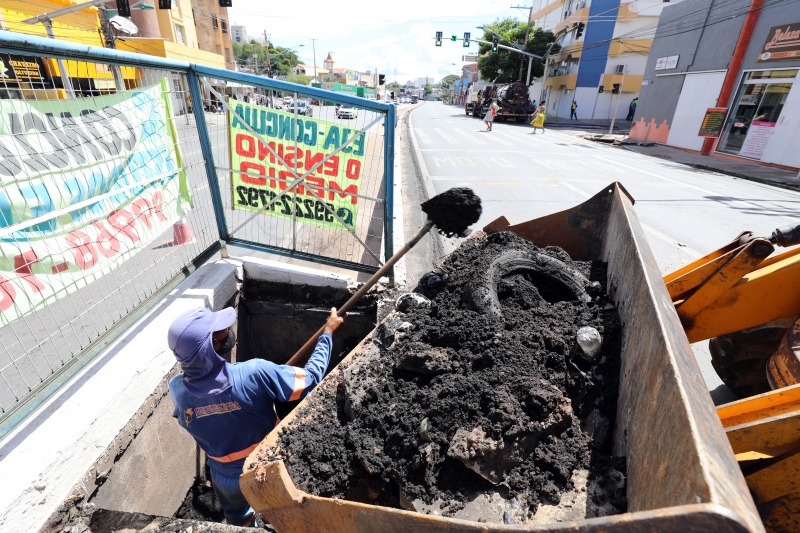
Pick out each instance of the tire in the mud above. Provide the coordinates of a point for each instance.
(740, 358)
(481, 294)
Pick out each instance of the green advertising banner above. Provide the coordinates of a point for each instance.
(299, 144)
(85, 185)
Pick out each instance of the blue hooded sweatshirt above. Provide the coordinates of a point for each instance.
(229, 408)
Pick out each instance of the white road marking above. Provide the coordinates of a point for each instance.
(648, 229)
(527, 138)
(445, 136)
(424, 137)
(734, 203)
(468, 136)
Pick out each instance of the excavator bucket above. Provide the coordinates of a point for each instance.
(682, 473)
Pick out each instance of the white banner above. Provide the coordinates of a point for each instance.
(84, 185)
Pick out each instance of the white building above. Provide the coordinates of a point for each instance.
(239, 34)
(610, 54)
(420, 83)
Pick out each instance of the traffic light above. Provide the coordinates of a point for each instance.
(578, 33)
(600, 89)
(391, 94)
(453, 38)
(164, 4)
(438, 38)
(615, 90)
(225, 3)
(467, 35)
(123, 8)
(495, 42)
(381, 79)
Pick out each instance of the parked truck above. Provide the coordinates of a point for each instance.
(513, 102)
(474, 98)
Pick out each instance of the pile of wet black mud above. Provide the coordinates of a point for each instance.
(453, 211)
(201, 503)
(483, 389)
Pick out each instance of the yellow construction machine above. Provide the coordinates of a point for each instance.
(691, 466)
(747, 301)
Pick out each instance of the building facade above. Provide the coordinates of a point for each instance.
(239, 34)
(604, 47)
(689, 66)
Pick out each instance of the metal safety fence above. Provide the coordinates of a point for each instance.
(120, 173)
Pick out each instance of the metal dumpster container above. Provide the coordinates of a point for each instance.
(682, 474)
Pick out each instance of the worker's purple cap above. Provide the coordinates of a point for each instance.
(192, 328)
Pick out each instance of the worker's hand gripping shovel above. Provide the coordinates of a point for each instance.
(451, 212)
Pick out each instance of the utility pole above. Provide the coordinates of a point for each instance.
(544, 79)
(269, 63)
(527, 35)
(314, 47)
(619, 96)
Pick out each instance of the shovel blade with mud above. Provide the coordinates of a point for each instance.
(451, 212)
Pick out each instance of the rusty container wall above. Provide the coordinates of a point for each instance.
(682, 475)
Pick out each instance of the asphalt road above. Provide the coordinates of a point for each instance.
(685, 212)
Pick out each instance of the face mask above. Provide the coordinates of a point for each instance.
(227, 346)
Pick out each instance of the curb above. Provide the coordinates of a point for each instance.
(732, 173)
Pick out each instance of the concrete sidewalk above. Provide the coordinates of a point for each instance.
(777, 177)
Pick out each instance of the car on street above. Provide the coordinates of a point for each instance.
(302, 108)
(287, 101)
(346, 111)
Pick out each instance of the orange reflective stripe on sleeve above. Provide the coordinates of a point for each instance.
(299, 384)
(235, 456)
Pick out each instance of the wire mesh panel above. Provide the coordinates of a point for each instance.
(301, 171)
(104, 199)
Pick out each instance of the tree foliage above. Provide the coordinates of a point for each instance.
(448, 81)
(503, 66)
(428, 89)
(300, 79)
(253, 55)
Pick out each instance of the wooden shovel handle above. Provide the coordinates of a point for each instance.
(301, 356)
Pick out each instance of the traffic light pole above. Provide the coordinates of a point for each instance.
(619, 96)
(504, 47)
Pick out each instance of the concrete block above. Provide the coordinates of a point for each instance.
(156, 470)
(266, 270)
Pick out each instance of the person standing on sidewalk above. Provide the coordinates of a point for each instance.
(572, 113)
(632, 109)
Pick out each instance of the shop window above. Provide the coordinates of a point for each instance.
(179, 34)
(755, 112)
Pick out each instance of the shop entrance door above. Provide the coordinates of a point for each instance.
(757, 109)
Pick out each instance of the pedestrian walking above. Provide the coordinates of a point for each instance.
(572, 113)
(632, 109)
(538, 120)
(489, 117)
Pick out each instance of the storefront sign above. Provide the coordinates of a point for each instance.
(758, 136)
(783, 42)
(667, 63)
(20, 68)
(85, 185)
(299, 144)
(712, 122)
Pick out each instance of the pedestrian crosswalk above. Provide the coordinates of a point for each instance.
(456, 136)
(446, 136)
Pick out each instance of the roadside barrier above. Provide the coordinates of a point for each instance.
(118, 184)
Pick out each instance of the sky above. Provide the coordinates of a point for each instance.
(364, 35)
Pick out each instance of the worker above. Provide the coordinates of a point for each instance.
(572, 110)
(229, 408)
(632, 109)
